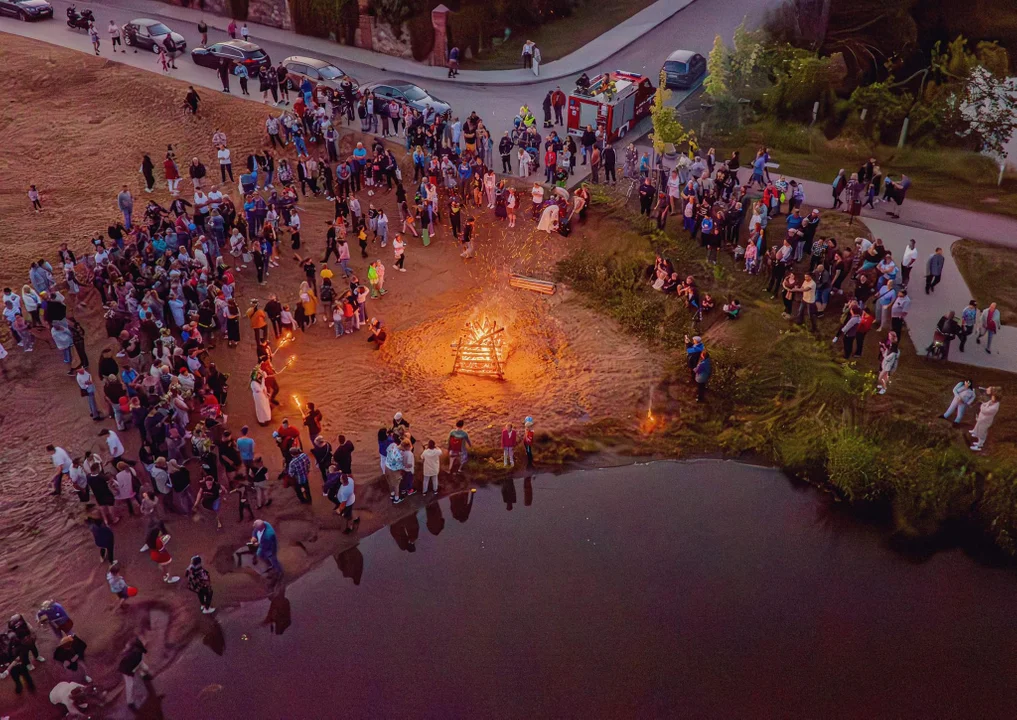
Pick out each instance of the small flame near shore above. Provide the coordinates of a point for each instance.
(651, 422)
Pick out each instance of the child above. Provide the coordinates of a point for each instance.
(528, 441)
(286, 319)
(349, 315)
(244, 489)
(733, 309)
(157, 540)
(33, 195)
(750, 258)
(21, 328)
(406, 487)
(510, 208)
(118, 585)
(338, 318)
(508, 446)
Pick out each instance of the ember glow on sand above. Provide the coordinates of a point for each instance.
(480, 350)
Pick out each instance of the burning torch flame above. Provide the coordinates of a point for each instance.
(296, 401)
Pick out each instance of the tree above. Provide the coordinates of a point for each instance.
(989, 105)
(667, 129)
(718, 70)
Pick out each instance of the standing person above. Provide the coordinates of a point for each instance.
(703, 371)
(839, 185)
(125, 201)
(157, 541)
(934, 270)
(87, 388)
(888, 365)
(458, 446)
(528, 441)
(61, 460)
(609, 162)
(132, 664)
(147, 170)
(264, 538)
(13, 663)
(241, 72)
(199, 582)
(118, 584)
(347, 499)
(969, 318)
(908, 262)
(431, 459)
(203, 31)
(527, 54)
(558, 103)
(93, 34)
(299, 468)
(393, 464)
(170, 46)
(70, 652)
(191, 100)
(508, 446)
(224, 74)
(231, 29)
(114, 37)
(988, 324)
(899, 311)
(103, 537)
(986, 416)
(210, 497)
(453, 62)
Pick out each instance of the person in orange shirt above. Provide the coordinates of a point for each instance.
(259, 322)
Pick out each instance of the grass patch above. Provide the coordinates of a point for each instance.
(785, 394)
(558, 38)
(945, 176)
(989, 271)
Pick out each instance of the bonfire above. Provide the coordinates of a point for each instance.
(480, 351)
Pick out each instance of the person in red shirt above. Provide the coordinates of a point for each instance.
(550, 163)
(288, 437)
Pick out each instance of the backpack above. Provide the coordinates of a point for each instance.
(327, 293)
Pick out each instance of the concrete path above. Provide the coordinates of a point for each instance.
(951, 294)
(591, 54)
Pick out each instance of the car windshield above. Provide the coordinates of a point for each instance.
(254, 54)
(330, 72)
(412, 92)
(158, 29)
(675, 66)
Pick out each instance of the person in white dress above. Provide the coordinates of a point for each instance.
(549, 219)
(986, 416)
(262, 404)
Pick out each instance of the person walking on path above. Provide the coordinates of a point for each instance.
(988, 324)
(969, 318)
(299, 469)
(224, 74)
(934, 270)
(453, 62)
(908, 261)
(199, 582)
(203, 31)
(963, 398)
(986, 416)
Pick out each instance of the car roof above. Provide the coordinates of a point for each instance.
(304, 60)
(681, 55)
(143, 21)
(240, 45)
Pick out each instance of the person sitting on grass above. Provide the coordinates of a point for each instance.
(733, 309)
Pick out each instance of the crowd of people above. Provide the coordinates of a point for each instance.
(167, 279)
(805, 268)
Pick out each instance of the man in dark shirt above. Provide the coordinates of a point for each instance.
(342, 456)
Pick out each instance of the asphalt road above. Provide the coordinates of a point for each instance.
(693, 28)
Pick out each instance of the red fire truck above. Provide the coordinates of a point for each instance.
(614, 101)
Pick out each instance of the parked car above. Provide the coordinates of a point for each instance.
(317, 71)
(407, 94)
(26, 10)
(682, 69)
(150, 35)
(237, 52)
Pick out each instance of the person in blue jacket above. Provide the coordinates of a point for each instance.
(704, 369)
(268, 544)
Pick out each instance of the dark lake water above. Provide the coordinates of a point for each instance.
(705, 589)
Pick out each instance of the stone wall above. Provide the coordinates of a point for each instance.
(383, 40)
(275, 13)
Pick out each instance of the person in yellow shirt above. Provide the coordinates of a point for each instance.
(259, 322)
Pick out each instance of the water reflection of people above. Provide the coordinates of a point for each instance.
(508, 493)
(279, 616)
(406, 531)
(528, 490)
(435, 520)
(461, 503)
(351, 564)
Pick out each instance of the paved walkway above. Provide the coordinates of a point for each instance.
(591, 54)
(951, 294)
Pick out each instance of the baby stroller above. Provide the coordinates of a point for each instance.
(937, 347)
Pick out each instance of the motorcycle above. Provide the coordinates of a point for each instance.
(79, 20)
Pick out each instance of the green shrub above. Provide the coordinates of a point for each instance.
(855, 465)
(421, 36)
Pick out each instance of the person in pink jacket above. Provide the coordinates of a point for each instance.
(508, 446)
